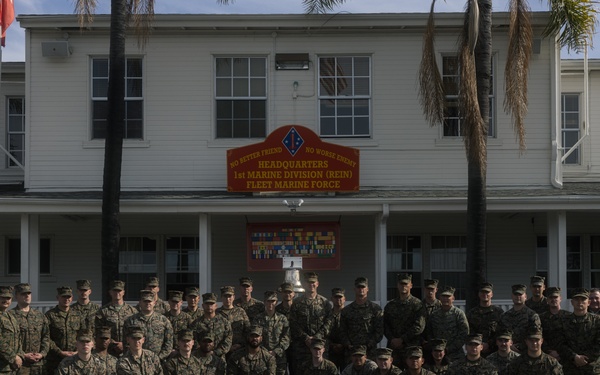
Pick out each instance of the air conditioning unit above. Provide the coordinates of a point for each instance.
(59, 48)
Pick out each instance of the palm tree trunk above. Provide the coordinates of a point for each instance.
(113, 152)
(477, 167)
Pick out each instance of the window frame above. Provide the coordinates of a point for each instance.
(9, 133)
(565, 130)
(181, 278)
(492, 126)
(339, 96)
(129, 100)
(442, 273)
(250, 98)
(404, 252)
(45, 244)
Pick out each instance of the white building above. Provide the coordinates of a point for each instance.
(180, 222)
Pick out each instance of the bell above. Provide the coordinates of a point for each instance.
(292, 276)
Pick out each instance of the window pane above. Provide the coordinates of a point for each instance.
(16, 106)
(100, 89)
(327, 108)
(258, 129)
(258, 67)
(344, 126)
(241, 129)
(258, 87)
(134, 88)
(16, 124)
(571, 121)
(361, 66)
(223, 67)
(240, 87)
(100, 67)
(258, 109)
(361, 86)
(224, 109)
(240, 67)
(571, 103)
(241, 109)
(327, 126)
(224, 129)
(134, 67)
(223, 86)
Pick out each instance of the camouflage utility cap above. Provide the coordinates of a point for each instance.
(64, 291)
(22, 288)
(152, 281)
(175, 295)
(84, 284)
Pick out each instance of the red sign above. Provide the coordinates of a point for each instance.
(293, 158)
(318, 244)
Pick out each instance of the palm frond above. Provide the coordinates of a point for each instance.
(475, 133)
(574, 21)
(320, 6)
(516, 71)
(142, 14)
(85, 10)
(431, 88)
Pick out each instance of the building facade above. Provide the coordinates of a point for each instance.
(206, 84)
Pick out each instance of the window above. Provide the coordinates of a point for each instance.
(241, 97)
(574, 266)
(453, 123)
(404, 254)
(137, 262)
(449, 262)
(134, 100)
(344, 96)
(16, 131)
(595, 261)
(13, 261)
(569, 111)
(182, 262)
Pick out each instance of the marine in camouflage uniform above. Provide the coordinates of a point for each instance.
(485, 318)
(384, 359)
(114, 314)
(276, 331)
(251, 305)
(210, 364)
(211, 322)
(192, 296)
(581, 341)
(160, 306)
(552, 323)
(64, 324)
(308, 320)
(360, 365)
(83, 362)
(318, 365)
(538, 302)
(403, 319)
(102, 340)
(534, 361)
(362, 320)
(520, 319)
(504, 356)
(286, 290)
(35, 332)
(449, 323)
(183, 362)
(179, 319)
(430, 302)
(84, 306)
(336, 352)
(473, 362)
(236, 316)
(253, 359)
(11, 355)
(158, 329)
(439, 363)
(136, 360)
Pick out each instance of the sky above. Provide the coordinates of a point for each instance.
(15, 36)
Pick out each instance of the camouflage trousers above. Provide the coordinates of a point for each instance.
(38, 369)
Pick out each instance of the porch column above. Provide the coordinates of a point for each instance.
(30, 253)
(381, 255)
(204, 242)
(557, 251)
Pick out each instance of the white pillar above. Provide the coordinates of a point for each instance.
(557, 251)
(204, 242)
(30, 253)
(381, 255)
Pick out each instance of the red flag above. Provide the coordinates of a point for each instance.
(7, 16)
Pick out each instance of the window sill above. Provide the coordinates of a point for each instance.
(126, 144)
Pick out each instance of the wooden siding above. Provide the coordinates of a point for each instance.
(180, 150)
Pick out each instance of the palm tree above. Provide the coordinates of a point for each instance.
(573, 20)
(142, 12)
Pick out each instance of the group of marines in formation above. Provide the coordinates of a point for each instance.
(300, 336)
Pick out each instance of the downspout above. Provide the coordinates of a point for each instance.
(556, 146)
(381, 254)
